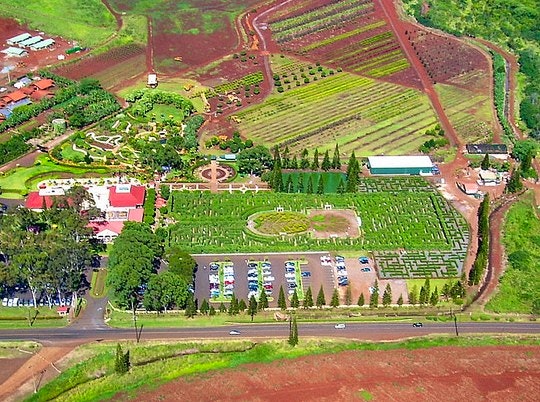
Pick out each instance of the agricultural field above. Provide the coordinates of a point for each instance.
(361, 114)
(353, 35)
(470, 113)
(183, 28)
(88, 21)
(110, 68)
(414, 221)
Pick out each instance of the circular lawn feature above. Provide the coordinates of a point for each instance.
(276, 223)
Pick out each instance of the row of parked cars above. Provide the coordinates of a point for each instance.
(266, 279)
(228, 279)
(20, 302)
(290, 276)
(342, 276)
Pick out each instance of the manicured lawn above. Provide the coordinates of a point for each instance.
(520, 285)
(17, 317)
(20, 179)
(88, 21)
(331, 180)
(97, 287)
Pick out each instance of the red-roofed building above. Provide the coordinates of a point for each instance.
(126, 196)
(27, 90)
(16, 96)
(136, 215)
(106, 231)
(44, 84)
(36, 202)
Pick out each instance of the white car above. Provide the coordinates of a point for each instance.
(290, 275)
(234, 332)
(291, 280)
(339, 326)
(269, 278)
(4, 301)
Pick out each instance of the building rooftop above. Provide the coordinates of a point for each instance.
(422, 161)
(486, 149)
(19, 38)
(126, 195)
(44, 84)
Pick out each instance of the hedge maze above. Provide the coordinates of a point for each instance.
(411, 230)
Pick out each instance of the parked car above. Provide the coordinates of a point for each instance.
(363, 260)
(340, 258)
(291, 285)
(4, 301)
(366, 269)
(266, 265)
(306, 274)
(417, 324)
(291, 280)
(213, 266)
(290, 269)
(269, 278)
(290, 275)
(228, 287)
(269, 286)
(234, 332)
(339, 326)
(291, 291)
(252, 271)
(290, 264)
(252, 265)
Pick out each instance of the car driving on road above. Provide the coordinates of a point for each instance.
(339, 326)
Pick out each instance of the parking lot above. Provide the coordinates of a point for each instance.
(320, 269)
(315, 275)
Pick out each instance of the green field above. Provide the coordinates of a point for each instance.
(23, 179)
(88, 21)
(520, 285)
(470, 113)
(421, 222)
(18, 317)
(361, 114)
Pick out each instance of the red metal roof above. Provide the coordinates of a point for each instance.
(16, 96)
(40, 94)
(35, 201)
(100, 226)
(136, 215)
(133, 198)
(44, 84)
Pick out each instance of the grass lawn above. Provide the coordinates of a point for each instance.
(17, 317)
(432, 283)
(20, 179)
(520, 285)
(98, 287)
(158, 362)
(88, 21)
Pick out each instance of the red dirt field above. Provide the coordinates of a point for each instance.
(103, 66)
(35, 59)
(501, 373)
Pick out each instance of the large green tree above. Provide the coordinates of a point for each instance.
(254, 160)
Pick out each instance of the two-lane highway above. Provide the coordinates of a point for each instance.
(361, 331)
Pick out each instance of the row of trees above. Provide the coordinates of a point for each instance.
(48, 252)
(482, 254)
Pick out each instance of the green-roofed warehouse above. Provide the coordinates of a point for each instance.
(400, 165)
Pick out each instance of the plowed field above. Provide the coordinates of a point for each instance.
(501, 373)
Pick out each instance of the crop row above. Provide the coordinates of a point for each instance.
(336, 38)
(250, 79)
(312, 15)
(322, 24)
(355, 51)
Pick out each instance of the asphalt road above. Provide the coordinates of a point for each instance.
(376, 331)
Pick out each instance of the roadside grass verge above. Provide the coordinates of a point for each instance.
(16, 349)
(89, 372)
(98, 288)
(519, 287)
(19, 317)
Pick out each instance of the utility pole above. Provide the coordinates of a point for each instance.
(453, 315)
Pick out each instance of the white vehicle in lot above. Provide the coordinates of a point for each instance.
(228, 271)
(291, 291)
(15, 302)
(228, 287)
(290, 275)
(229, 278)
(228, 293)
(252, 271)
(4, 301)
(268, 278)
(291, 280)
(253, 293)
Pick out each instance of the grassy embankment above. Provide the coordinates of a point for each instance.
(20, 317)
(89, 373)
(520, 285)
(98, 286)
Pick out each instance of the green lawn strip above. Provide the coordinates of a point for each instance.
(432, 281)
(18, 317)
(98, 288)
(519, 287)
(299, 284)
(94, 378)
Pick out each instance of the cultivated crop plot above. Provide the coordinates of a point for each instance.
(387, 222)
(351, 34)
(361, 114)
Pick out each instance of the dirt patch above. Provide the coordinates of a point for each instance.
(334, 223)
(479, 373)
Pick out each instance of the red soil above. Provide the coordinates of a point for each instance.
(88, 66)
(35, 59)
(472, 373)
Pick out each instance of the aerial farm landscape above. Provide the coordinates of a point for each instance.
(269, 200)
